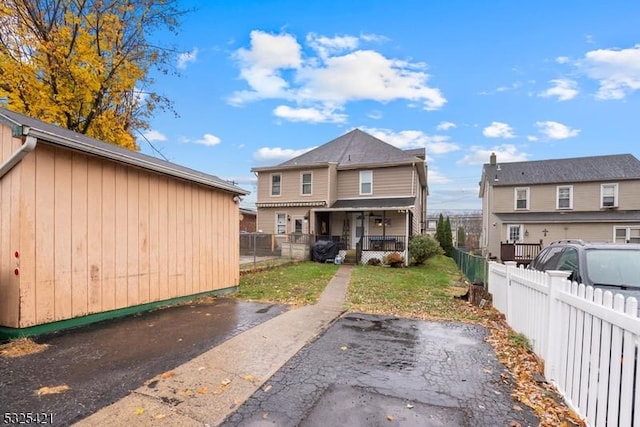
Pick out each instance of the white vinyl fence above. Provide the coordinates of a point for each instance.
(588, 339)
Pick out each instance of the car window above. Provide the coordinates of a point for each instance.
(613, 267)
(568, 261)
(548, 258)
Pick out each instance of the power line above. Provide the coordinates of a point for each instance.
(151, 145)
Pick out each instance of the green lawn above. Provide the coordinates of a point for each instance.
(297, 284)
(424, 292)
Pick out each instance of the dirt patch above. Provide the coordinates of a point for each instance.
(21, 347)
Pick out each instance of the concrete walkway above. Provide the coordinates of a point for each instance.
(205, 390)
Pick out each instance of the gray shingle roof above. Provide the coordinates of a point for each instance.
(578, 169)
(64, 137)
(352, 149)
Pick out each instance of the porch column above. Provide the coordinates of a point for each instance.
(406, 237)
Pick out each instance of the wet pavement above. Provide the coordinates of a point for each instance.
(382, 371)
(104, 362)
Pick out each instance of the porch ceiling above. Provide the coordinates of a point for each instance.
(374, 204)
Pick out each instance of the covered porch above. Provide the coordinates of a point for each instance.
(372, 227)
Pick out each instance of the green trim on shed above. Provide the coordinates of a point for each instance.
(12, 333)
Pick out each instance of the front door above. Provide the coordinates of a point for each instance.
(358, 227)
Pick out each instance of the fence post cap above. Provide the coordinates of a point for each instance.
(559, 273)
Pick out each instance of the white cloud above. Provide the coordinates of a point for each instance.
(406, 139)
(498, 130)
(376, 115)
(312, 115)
(154, 135)
(208, 139)
(326, 46)
(445, 125)
(277, 154)
(187, 57)
(368, 75)
(555, 130)
(261, 64)
(617, 71)
(564, 89)
(435, 177)
(505, 153)
(274, 68)
(563, 59)
(532, 138)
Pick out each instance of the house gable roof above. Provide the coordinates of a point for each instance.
(353, 149)
(558, 171)
(23, 125)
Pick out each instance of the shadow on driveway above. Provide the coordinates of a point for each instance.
(103, 362)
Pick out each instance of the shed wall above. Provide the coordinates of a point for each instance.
(96, 236)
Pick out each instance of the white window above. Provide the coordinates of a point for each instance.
(626, 234)
(366, 182)
(521, 198)
(281, 223)
(276, 180)
(514, 233)
(564, 197)
(609, 195)
(306, 184)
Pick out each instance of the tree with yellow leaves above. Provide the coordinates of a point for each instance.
(84, 64)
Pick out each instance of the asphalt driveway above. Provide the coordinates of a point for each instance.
(104, 362)
(382, 371)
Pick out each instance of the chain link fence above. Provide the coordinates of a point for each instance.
(474, 267)
(259, 250)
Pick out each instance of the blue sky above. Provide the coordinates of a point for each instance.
(262, 81)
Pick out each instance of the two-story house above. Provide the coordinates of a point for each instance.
(353, 190)
(590, 198)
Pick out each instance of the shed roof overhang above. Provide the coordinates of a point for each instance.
(22, 126)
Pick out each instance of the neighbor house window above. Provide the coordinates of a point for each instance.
(281, 223)
(306, 183)
(609, 195)
(564, 198)
(627, 234)
(297, 225)
(366, 182)
(522, 198)
(276, 181)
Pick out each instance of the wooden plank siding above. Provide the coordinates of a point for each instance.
(94, 235)
(586, 196)
(393, 181)
(291, 185)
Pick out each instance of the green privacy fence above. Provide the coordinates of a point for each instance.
(474, 267)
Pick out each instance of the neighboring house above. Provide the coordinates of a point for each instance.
(247, 220)
(590, 198)
(353, 190)
(89, 230)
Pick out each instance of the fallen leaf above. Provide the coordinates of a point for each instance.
(487, 371)
(225, 382)
(202, 390)
(186, 392)
(390, 417)
(138, 411)
(168, 374)
(160, 416)
(248, 377)
(409, 405)
(52, 390)
(265, 415)
(267, 388)
(517, 407)
(343, 348)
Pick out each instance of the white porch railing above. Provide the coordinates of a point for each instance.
(589, 339)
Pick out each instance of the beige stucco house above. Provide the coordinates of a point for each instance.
(355, 190)
(89, 230)
(590, 198)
